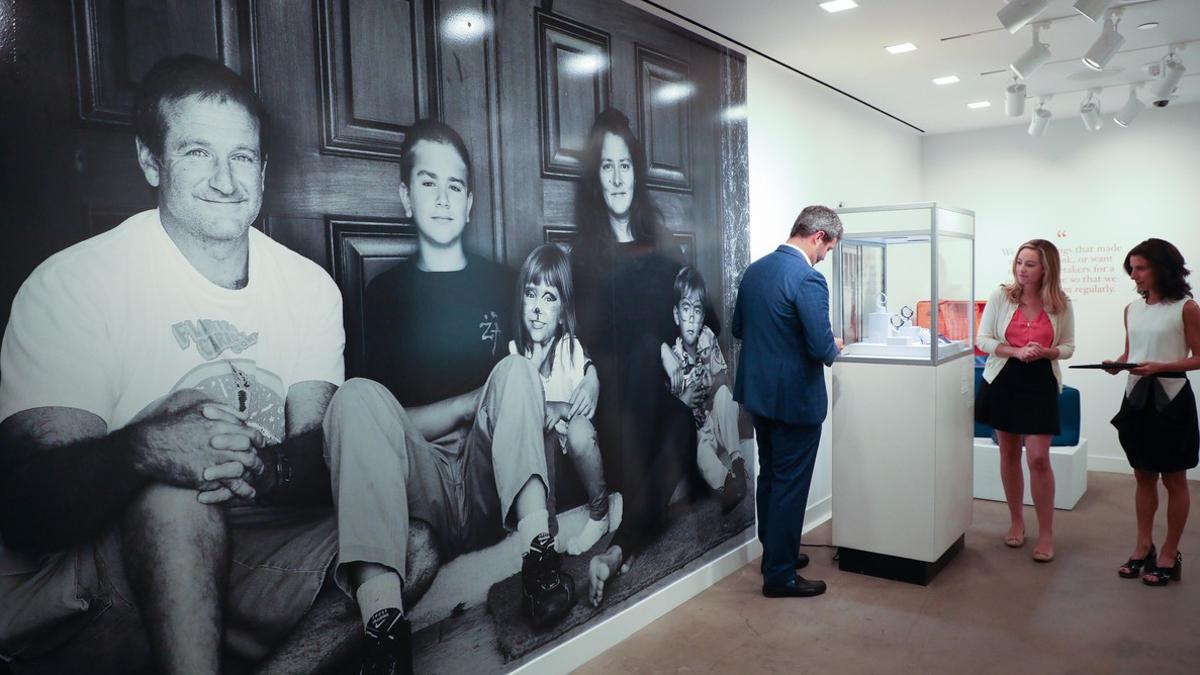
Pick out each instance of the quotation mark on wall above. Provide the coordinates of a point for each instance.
(1062, 234)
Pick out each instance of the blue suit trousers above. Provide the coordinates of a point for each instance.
(787, 454)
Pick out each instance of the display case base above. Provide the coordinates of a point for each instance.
(894, 567)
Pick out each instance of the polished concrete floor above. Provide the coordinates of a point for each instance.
(992, 610)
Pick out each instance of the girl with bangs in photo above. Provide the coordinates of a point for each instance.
(545, 334)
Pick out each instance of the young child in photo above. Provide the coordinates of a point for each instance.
(545, 334)
(700, 378)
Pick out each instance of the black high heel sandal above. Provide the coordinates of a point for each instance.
(1164, 575)
(1133, 568)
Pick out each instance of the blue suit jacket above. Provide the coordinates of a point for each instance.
(782, 319)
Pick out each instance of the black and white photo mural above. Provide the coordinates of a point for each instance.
(340, 332)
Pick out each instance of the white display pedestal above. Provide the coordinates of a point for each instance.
(902, 465)
(1069, 464)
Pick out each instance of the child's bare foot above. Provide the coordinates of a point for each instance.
(588, 536)
(602, 568)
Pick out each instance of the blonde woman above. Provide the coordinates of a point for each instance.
(1026, 328)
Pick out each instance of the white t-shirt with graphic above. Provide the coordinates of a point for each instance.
(120, 320)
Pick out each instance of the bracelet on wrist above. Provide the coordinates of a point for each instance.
(283, 470)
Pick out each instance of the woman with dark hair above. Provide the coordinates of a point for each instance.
(624, 290)
(1026, 328)
(618, 233)
(612, 205)
(1157, 421)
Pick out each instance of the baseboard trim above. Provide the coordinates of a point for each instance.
(817, 514)
(582, 648)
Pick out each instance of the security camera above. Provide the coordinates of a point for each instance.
(1171, 72)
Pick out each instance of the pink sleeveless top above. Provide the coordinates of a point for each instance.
(1021, 332)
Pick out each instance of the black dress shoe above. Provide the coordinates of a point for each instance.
(802, 588)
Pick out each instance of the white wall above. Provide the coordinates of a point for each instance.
(812, 145)
(1103, 191)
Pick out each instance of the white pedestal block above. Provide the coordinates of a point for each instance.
(1068, 462)
(901, 469)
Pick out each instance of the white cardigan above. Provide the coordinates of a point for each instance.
(998, 313)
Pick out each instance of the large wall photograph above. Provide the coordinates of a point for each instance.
(525, 220)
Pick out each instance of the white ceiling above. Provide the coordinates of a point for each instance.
(845, 50)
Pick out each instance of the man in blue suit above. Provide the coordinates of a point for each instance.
(782, 319)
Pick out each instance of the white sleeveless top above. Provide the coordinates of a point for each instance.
(1156, 334)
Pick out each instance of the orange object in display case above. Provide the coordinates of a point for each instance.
(952, 318)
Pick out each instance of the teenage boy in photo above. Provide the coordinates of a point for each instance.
(456, 421)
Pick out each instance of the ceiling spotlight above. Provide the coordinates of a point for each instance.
(1131, 108)
(1031, 59)
(838, 5)
(1105, 47)
(1172, 73)
(1093, 9)
(1014, 98)
(1040, 120)
(1089, 111)
(949, 79)
(1017, 13)
(901, 48)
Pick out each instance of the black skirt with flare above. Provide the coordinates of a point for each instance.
(1157, 433)
(1022, 399)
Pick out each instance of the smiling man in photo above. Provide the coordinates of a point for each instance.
(155, 379)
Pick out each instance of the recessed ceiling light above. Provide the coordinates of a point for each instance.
(976, 105)
(1149, 25)
(949, 79)
(838, 5)
(901, 48)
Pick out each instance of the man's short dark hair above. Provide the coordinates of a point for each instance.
(815, 219)
(435, 132)
(175, 78)
(689, 281)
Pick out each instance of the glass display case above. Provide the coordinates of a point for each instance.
(903, 296)
(903, 283)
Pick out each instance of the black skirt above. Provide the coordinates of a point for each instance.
(1023, 399)
(1157, 434)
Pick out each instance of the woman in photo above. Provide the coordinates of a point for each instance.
(1027, 327)
(625, 287)
(1157, 421)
